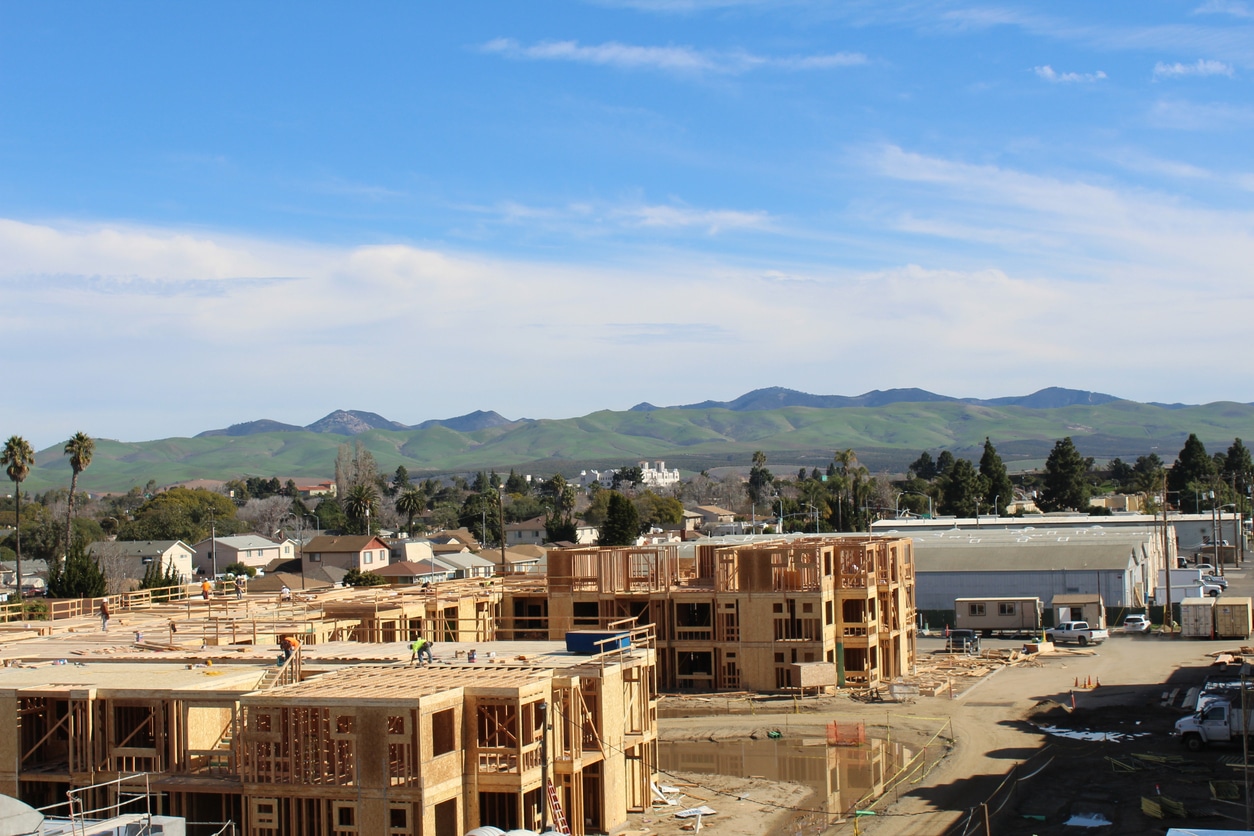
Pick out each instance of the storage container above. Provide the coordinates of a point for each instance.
(1197, 618)
(1233, 619)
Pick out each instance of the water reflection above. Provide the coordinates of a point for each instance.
(841, 777)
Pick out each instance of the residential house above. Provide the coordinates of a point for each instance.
(531, 531)
(253, 550)
(714, 515)
(468, 565)
(362, 552)
(310, 490)
(130, 559)
(412, 550)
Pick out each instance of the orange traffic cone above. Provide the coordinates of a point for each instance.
(1077, 682)
(1098, 683)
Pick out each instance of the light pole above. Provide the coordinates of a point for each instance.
(897, 503)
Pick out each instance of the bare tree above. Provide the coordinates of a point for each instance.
(355, 465)
(265, 515)
(699, 490)
(731, 493)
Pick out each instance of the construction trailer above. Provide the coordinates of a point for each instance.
(744, 616)
(1080, 607)
(999, 615)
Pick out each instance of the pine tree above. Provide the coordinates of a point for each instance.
(961, 489)
(622, 522)
(1066, 479)
(998, 489)
(81, 576)
(1193, 472)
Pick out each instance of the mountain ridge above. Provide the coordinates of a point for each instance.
(886, 438)
(355, 422)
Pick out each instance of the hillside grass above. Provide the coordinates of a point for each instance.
(885, 438)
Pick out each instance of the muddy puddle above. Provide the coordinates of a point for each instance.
(840, 778)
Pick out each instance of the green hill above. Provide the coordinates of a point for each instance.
(885, 437)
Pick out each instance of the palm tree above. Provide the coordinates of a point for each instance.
(411, 503)
(19, 458)
(80, 449)
(360, 502)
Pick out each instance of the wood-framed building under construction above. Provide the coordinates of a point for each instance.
(331, 744)
(765, 616)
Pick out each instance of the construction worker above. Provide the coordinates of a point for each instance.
(289, 645)
(104, 615)
(205, 589)
(418, 648)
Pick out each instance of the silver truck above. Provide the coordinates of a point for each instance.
(1076, 631)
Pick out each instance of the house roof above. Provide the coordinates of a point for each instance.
(242, 541)
(714, 509)
(464, 560)
(521, 555)
(409, 569)
(533, 524)
(135, 548)
(460, 535)
(529, 549)
(354, 543)
(292, 580)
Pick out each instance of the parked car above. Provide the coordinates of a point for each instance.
(1216, 580)
(1204, 568)
(963, 641)
(1136, 624)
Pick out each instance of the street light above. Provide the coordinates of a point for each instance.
(897, 503)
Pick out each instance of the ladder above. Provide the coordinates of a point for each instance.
(559, 818)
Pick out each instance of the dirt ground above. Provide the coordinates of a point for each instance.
(1012, 738)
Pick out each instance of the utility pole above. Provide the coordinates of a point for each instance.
(1170, 564)
(213, 544)
(500, 504)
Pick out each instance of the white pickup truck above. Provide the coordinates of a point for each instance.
(1076, 631)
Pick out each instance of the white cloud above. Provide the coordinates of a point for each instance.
(1234, 8)
(1051, 75)
(1194, 116)
(1200, 67)
(683, 59)
(1092, 232)
(683, 217)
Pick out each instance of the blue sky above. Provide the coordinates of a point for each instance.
(214, 213)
